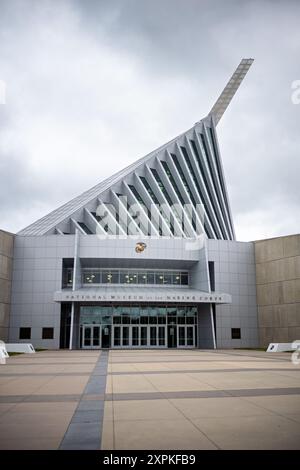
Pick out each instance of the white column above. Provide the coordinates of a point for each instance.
(74, 284)
(213, 326)
(71, 326)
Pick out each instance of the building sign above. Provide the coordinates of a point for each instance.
(200, 297)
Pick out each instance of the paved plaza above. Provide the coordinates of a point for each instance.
(150, 399)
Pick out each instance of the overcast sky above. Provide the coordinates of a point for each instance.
(93, 85)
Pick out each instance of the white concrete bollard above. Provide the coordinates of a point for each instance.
(3, 353)
(282, 347)
(20, 347)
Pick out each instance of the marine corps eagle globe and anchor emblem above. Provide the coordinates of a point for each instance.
(140, 247)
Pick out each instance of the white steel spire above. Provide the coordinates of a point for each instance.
(230, 89)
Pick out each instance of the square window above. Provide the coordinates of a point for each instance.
(47, 333)
(125, 318)
(142, 278)
(184, 279)
(124, 277)
(159, 278)
(150, 278)
(235, 333)
(167, 278)
(25, 333)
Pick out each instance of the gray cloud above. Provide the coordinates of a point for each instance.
(92, 86)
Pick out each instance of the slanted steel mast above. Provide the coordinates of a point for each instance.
(230, 89)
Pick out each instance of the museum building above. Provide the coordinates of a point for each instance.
(145, 259)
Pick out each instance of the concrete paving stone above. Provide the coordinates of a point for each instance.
(241, 380)
(41, 374)
(87, 416)
(128, 383)
(109, 384)
(41, 407)
(4, 407)
(202, 366)
(263, 392)
(165, 395)
(281, 404)
(251, 432)
(176, 382)
(159, 434)
(141, 410)
(154, 398)
(199, 394)
(23, 385)
(24, 443)
(6, 379)
(92, 405)
(97, 380)
(121, 368)
(70, 368)
(63, 363)
(107, 440)
(134, 396)
(87, 445)
(14, 368)
(63, 385)
(91, 397)
(17, 430)
(293, 416)
(270, 365)
(11, 398)
(51, 398)
(145, 367)
(94, 388)
(82, 435)
(99, 372)
(108, 411)
(88, 421)
(198, 371)
(32, 419)
(292, 373)
(217, 407)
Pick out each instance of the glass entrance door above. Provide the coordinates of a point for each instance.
(158, 336)
(185, 336)
(172, 336)
(138, 336)
(105, 336)
(91, 336)
(121, 336)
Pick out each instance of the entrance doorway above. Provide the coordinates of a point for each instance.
(91, 336)
(105, 336)
(172, 336)
(138, 326)
(185, 336)
(95, 336)
(138, 336)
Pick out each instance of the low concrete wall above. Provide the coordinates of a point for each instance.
(278, 289)
(6, 258)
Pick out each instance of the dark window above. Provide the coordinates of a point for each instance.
(235, 333)
(25, 333)
(200, 164)
(161, 186)
(169, 174)
(148, 188)
(85, 228)
(211, 268)
(47, 333)
(210, 165)
(184, 279)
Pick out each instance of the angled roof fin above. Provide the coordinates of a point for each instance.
(230, 89)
